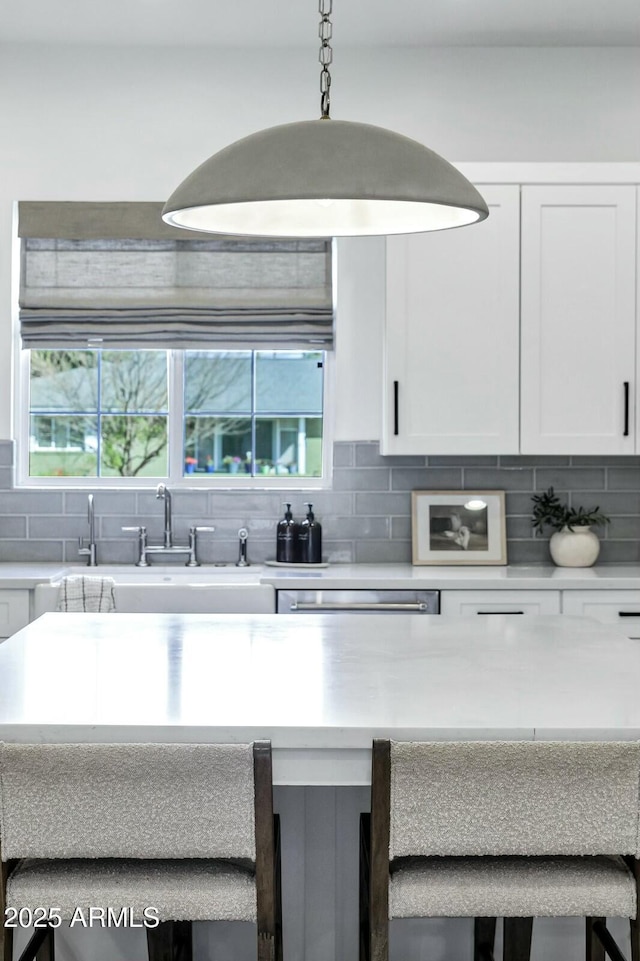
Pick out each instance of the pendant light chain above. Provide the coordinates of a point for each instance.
(326, 56)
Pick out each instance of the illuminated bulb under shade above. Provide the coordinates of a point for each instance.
(324, 178)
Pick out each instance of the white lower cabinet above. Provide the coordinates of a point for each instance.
(14, 611)
(619, 609)
(500, 602)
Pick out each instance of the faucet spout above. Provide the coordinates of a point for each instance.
(163, 493)
(90, 550)
(91, 517)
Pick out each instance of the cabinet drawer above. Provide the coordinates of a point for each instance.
(617, 608)
(500, 602)
(14, 611)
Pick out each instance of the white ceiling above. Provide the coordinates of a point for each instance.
(294, 22)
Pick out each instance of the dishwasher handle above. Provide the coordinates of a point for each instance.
(373, 607)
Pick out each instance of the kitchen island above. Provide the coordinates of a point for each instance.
(321, 688)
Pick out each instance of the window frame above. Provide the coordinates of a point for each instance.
(175, 477)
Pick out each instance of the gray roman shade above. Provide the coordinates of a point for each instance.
(115, 275)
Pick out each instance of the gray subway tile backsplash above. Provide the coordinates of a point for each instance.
(30, 550)
(366, 514)
(368, 455)
(343, 455)
(475, 460)
(623, 479)
(568, 478)
(498, 478)
(359, 479)
(6, 478)
(426, 478)
(6, 453)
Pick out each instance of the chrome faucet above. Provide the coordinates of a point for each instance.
(146, 550)
(163, 493)
(90, 550)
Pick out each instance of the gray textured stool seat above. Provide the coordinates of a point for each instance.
(193, 890)
(187, 829)
(502, 829)
(511, 887)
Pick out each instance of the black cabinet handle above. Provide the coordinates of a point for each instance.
(625, 433)
(499, 612)
(396, 429)
(628, 613)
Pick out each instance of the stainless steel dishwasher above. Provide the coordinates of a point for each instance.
(358, 602)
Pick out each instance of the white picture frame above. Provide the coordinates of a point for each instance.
(458, 527)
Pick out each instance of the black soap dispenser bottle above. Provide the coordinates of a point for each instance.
(310, 538)
(287, 538)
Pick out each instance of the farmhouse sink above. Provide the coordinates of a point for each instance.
(174, 590)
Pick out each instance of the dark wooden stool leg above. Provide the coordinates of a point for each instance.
(635, 939)
(517, 939)
(47, 952)
(170, 941)
(594, 947)
(184, 940)
(484, 938)
(6, 943)
(365, 869)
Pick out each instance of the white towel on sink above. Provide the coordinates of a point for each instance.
(79, 592)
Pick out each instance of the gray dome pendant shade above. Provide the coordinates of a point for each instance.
(324, 178)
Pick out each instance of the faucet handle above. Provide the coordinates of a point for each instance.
(137, 530)
(194, 530)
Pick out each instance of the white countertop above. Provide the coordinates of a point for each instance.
(514, 577)
(319, 688)
(28, 575)
(374, 576)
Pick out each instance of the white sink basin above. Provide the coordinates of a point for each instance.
(175, 590)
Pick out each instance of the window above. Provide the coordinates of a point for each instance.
(103, 414)
(151, 352)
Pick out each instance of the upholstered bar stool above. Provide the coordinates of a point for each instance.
(187, 829)
(501, 829)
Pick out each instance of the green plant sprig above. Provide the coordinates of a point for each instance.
(549, 511)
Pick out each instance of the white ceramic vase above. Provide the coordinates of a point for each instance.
(574, 548)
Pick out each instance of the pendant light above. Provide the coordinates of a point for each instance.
(324, 178)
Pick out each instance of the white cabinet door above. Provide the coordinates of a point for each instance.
(578, 320)
(500, 602)
(14, 611)
(619, 609)
(451, 336)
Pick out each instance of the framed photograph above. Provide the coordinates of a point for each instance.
(458, 527)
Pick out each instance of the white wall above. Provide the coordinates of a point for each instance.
(129, 124)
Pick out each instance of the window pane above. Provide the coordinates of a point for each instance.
(218, 381)
(97, 413)
(64, 380)
(289, 445)
(217, 445)
(63, 446)
(133, 446)
(289, 382)
(134, 380)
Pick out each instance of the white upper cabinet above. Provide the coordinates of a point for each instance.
(451, 338)
(578, 319)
